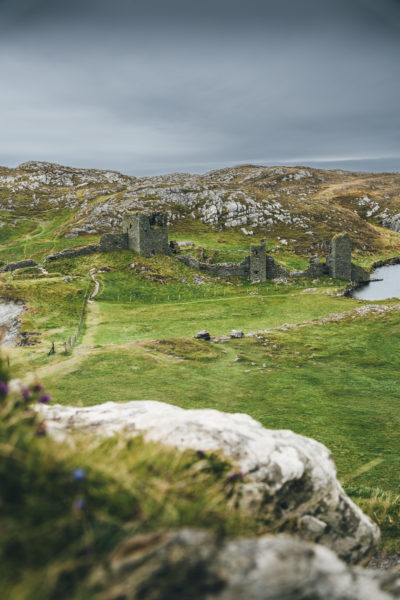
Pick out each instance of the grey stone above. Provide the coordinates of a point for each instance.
(312, 527)
(339, 257)
(358, 274)
(195, 565)
(22, 264)
(203, 335)
(229, 269)
(237, 333)
(285, 476)
(258, 262)
(392, 222)
(72, 252)
(113, 241)
(147, 233)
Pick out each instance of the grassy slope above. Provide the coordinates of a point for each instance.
(334, 382)
(340, 388)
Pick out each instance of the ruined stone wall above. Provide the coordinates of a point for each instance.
(72, 252)
(229, 269)
(273, 270)
(358, 274)
(258, 262)
(147, 233)
(339, 257)
(113, 241)
(315, 268)
(22, 264)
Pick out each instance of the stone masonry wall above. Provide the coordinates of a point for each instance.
(358, 274)
(18, 265)
(241, 269)
(339, 257)
(72, 252)
(147, 233)
(113, 241)
(258, 262)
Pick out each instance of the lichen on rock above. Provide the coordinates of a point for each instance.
(287, 478)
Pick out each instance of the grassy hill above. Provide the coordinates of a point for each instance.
(331, 379)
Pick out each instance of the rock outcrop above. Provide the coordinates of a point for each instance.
(287, 478)
(194, 565)
(392, 223)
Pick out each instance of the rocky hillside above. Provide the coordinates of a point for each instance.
(296, 206)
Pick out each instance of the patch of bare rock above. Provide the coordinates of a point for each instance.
(284, 477)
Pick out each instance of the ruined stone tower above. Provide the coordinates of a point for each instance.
(258, 262)
(147, 232)
(338, 260)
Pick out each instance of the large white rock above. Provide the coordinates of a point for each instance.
(288, 478)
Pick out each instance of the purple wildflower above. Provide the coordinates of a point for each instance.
(201, 453)
(44, 399)
(79, 474)
(232, 476)
(3, 388)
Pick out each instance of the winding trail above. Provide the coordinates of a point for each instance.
(92, 273)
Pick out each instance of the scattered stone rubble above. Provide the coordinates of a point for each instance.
(361, 311)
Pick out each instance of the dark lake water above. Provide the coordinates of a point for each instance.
(379, 290)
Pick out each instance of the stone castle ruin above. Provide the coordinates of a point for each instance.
(260, 265)
(147, 234)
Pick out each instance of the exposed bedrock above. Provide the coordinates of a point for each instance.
(392, 222)
(287, 478)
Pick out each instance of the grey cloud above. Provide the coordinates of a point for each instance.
(156, 86)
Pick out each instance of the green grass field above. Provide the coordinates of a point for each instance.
(336, 382)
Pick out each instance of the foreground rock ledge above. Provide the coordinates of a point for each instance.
(287, 477)
(194, 565)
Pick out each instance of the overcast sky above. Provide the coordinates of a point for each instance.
(153, 86)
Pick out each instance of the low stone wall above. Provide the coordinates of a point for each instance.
(229, 269)
(72, 252)
(22, 264)
(113, 241)
(358, 274)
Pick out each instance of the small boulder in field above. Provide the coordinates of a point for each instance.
(237, 333)
(203, 335)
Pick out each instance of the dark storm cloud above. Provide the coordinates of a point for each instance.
(155, 86)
